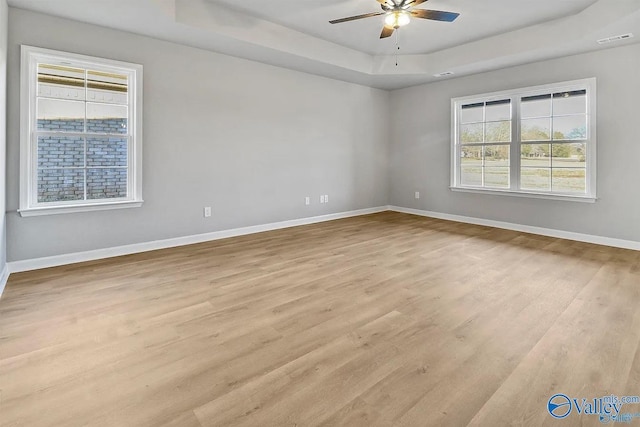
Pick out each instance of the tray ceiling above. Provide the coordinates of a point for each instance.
(295, 34)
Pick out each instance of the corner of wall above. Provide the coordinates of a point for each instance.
(4, 34)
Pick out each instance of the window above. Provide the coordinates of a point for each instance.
(81, 133)
(537, 142)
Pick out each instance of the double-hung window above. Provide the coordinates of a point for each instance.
(81, 133)
(537, 142)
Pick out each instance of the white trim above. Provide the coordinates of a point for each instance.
(4, 276)
(56, 260)
(515, 144)
(550, 232)
(64, 259)
(53, 210)
(550, 196)
(527, 91)
(30, 57)
(26, 69)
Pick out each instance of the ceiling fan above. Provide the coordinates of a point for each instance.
(398, 14)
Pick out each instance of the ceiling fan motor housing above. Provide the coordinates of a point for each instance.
(398, 13)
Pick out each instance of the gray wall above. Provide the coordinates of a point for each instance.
(421, 137)
(252, 141)
(248, 139)
(3, 134)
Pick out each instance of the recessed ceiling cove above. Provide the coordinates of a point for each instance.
(479, 19)
(296, 34)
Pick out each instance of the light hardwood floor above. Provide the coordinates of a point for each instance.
(379, 320)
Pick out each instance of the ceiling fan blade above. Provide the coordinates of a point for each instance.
(386, 32)
(435, 15)
(416, 2)
(353, 18)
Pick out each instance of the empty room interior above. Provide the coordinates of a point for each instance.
(319, 213)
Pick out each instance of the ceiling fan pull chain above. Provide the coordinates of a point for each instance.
(397, 46)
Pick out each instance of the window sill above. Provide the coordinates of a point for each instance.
(55, 210)
(532, 195)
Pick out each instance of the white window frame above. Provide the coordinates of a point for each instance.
(29, 205)
(515, 146)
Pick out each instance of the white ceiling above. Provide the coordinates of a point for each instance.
(478, 20)
(489, 34)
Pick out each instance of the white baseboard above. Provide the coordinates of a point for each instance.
(588, 238)
(72, 258)
(4, 276)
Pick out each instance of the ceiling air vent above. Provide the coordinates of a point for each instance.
(615, 38)
(446, 73)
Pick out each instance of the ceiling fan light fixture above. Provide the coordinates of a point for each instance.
(397, 19)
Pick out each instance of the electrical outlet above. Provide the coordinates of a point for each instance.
(307, 200)
(326, 198)
(207, 211)
(322, 199)
(417, 194)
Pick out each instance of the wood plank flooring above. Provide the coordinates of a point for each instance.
(380, 320)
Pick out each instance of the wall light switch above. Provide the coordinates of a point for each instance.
(307, 200)
(326, 198)
(207, 211)
(417, 194)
